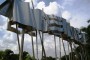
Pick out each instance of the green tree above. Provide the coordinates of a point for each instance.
(25, 55)
(28, 57)
(87, 31)
(7, 55)
(1, 55)
(48, 58)
(64, 57)
(15, 56)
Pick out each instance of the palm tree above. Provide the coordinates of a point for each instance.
(87, 31)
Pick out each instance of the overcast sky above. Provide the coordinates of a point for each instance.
(75, 11)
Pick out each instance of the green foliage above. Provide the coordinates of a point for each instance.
(25, 55)
(48, 58)
(64, 57)
(88, 21)
(9, 55)
(1, 55)
(28, 57)
(15, 57)
(87, 31)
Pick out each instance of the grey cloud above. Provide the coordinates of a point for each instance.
(47, 1)
(2, 20)
(2, 33)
